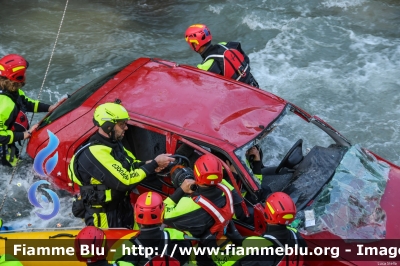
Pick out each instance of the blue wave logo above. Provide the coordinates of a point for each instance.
(38, 164)
(33, 200)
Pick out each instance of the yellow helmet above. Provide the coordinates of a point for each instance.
(108, 114)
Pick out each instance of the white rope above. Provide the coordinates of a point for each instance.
(52, 52)
(40, 91)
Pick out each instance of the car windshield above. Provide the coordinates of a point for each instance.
(349, 205)
(279, 137)
(338, 186)
(76, 99)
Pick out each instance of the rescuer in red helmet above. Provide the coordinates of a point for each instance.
(149, 214)
(279, 213)
(211, 202)
(208, 211)
(92, 239)
(14, 103)
(225, 58)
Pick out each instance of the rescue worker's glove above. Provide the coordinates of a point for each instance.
(208, 239)
(78, 207)
(233, 234)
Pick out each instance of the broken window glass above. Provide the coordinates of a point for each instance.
(349, 205)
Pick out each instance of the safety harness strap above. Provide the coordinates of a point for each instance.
(223, 215)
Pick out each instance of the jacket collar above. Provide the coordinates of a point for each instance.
(103, 140)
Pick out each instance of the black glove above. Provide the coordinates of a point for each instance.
(208, 240)
(233, 234)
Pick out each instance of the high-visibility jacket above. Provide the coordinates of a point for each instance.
(106, 173)
(9, 260)
(167, 241)
(249, 253)
(185, 214)
(10, 106)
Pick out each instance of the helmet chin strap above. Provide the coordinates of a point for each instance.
(108, 128)
(112, 135)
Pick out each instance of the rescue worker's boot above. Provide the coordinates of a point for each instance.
(9, 155)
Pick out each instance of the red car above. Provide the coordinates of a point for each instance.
(345, 195)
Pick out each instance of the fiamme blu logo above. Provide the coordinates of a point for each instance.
(34, 201)
(44, 165)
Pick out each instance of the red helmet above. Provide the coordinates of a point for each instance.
(13, 67)
(279, 209)
(197, 36)
(163, 260)
(149, 209)
(91, 236)
(208, 170)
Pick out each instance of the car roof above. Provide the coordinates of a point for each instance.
(204, 104)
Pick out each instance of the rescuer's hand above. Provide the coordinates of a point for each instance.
(188, 185)
(54, 106)
(163, 160)
(231, 167)
(254, 154)
(28, 133)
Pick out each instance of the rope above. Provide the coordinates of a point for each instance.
(52, 52)
(40, 92)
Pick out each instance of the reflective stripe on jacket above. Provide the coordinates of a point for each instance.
(221, 216)
(106, 172)
(187, 215)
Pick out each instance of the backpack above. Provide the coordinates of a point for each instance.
(234, 64)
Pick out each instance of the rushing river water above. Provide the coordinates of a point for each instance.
(339, 59)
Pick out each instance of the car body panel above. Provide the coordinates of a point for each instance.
(148, 90)
(187, 105)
